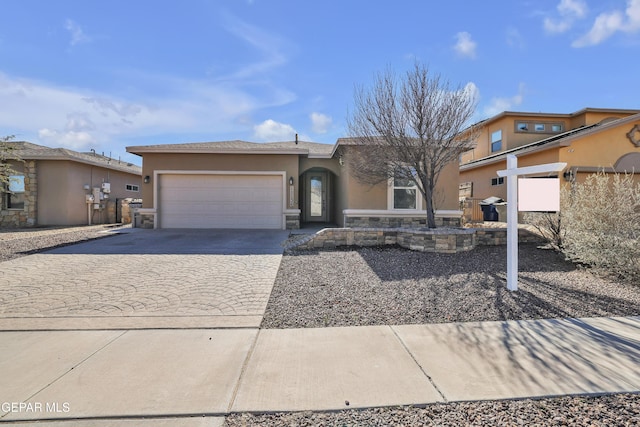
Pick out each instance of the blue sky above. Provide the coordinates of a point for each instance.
(108, 74)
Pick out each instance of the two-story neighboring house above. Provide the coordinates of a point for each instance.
(588, 140)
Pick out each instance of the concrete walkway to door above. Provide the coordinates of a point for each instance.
(144, 279)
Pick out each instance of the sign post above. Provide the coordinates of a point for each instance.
(512, 173)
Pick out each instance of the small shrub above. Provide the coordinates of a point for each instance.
(549, 225)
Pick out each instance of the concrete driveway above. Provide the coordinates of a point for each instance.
(142, 279)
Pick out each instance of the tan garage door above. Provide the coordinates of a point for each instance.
(220, 201)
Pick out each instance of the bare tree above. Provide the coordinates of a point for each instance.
(7, 152)
(410, 129)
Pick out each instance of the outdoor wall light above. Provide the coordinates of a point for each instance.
(147, 178)
(291, 181)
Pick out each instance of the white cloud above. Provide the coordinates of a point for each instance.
(577, 8)
(472, 91)
(270, 130)
(608, 23)
(514, 38)
(320, 123)
(80, 118)
(569, 11)
(269, 45)
(77, 34)
(80, 141)
(465, 46)
(498, 105)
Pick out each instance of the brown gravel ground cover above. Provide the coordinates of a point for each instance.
(596, 411)
(391, 286)
(15, 243)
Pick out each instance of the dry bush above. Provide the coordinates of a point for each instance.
(598, 225)
(601, 225)
(550, 224)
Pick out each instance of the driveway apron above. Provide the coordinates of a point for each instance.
(144, 279)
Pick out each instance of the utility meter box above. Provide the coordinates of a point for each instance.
(97, 194)
(106, 187)
(89, 198)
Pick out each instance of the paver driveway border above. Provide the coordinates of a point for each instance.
(144, 279)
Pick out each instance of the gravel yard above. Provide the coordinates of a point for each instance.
(378, 286)
(602, 411)
(21, 242)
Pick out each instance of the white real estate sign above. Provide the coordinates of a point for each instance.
(512, 172)
(538, 194)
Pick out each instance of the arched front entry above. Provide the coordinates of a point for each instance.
(317, 196)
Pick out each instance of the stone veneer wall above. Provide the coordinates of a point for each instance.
(398, 222)
(498, 236)
(27, 217)
(127, 207)
(437, 240)
(145, 220)
(292, 222)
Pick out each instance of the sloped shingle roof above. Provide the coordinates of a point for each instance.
(29, 151)
(237, 146)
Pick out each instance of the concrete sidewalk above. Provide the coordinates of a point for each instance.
(194, 377)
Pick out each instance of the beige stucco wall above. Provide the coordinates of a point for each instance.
(447, 188)
(481, 176)
(598, 150)
(217, 162)
(364, 196)
(601, 149)
(593, 117)
(61, 193)
(331, 164)
(512, 138)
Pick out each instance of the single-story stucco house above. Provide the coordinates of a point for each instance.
(50, 187)
(277, 185)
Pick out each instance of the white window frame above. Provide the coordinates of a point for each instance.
(391, 187)
(137, 188)
(491, 141)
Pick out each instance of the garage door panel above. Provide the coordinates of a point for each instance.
(222, 196)
(209, 208)
(220, 201)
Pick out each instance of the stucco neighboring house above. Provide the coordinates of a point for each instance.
(239, 184)
(589, 140)
(51, 186)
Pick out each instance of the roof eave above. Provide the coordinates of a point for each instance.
(144, 150)
(121, 168)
